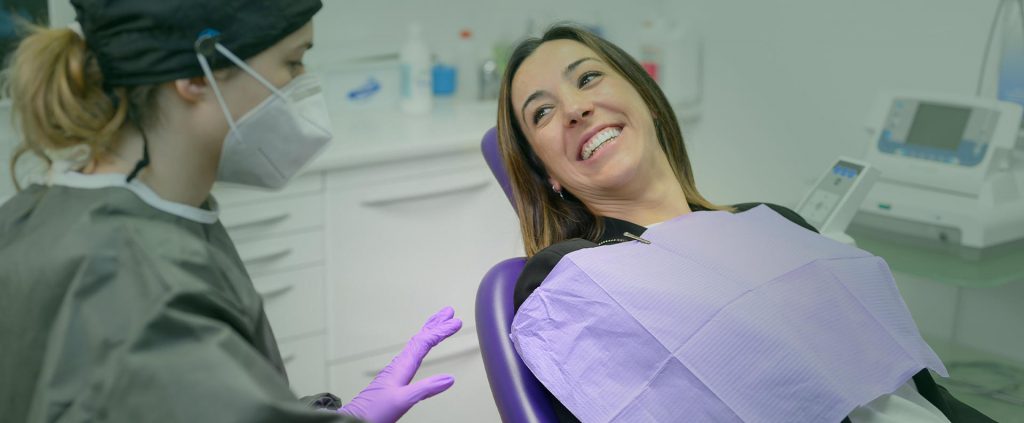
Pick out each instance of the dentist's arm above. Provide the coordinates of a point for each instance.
(390, 395)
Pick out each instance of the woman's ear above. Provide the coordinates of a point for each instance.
(555, 185)
(192, 89)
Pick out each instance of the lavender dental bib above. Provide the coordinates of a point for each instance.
(721, 318)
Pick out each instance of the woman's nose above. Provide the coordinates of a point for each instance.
(578, 109)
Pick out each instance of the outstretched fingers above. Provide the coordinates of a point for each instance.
(438, 328)
(429, 387)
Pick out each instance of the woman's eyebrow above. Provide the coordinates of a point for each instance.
(536, 94)
(572, 66)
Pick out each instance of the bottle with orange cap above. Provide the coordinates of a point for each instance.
(467, 74)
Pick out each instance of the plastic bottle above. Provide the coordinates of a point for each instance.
(416, 85)
(467, 88)
(681, 71)
(444, 78)
(650, 48)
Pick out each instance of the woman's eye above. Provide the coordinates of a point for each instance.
(540, 113)
(586, 78)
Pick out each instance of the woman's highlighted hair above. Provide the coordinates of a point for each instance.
(58, 97)
(544, 217)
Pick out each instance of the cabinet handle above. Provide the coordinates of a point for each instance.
(259, 221)
(452, 356)
(415, 193)
(288, 358)
(269, 293)
(272, 256)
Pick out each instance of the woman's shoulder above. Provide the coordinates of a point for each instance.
(540, 265)
(783, 211)
(110, 232)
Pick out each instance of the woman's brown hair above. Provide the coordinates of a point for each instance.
(58, 99)
(544, 217)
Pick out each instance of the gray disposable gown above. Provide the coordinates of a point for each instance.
(115, 308)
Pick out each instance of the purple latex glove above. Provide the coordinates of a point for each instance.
(390, 395)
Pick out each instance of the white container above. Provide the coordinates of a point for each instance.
(467, 89)
(682, 67)
(415, 95)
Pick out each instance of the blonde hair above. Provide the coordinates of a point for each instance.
(544, 217)
(59, 100)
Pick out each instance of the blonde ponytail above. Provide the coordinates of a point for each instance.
(57, 95)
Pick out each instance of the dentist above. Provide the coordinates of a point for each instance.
(122, 297)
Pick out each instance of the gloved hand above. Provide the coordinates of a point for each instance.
(390, 395)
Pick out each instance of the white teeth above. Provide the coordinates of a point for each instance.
(598, 140)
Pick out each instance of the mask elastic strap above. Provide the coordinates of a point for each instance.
(205, 45)
(248, 69)
(216, 92)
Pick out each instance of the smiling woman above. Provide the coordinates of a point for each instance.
(586, 133)
(724, 314)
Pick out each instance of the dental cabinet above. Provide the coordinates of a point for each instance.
(397, 218)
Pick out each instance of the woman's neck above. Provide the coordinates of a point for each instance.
(658, 201)
(174, 173)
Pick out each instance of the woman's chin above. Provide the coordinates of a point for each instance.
(615, 176)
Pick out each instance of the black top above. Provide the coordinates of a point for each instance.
(540, 265)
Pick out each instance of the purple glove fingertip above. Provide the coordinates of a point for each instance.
(430, 386)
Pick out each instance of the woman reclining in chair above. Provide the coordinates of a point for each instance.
(643, 301)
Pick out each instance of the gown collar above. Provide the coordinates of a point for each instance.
(147, 195)
(615, 228)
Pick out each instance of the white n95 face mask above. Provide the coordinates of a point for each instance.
(273, 141)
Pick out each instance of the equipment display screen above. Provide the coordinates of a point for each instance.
(938, 126)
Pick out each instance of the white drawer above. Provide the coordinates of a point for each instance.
(228, 194)
(294, 301)
(378, 173)
(304, 362)
(267, 256)
(441, 233)
(275, 217)
(468, 400)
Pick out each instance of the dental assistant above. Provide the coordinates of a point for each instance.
(122, 298)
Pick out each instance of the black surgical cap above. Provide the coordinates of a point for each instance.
(140, 42)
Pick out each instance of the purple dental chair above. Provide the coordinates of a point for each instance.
(519, 396)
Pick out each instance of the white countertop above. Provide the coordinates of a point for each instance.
(369, 137)
(363, 138)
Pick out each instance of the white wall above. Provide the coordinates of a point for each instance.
(352, 28)
(61, 12)
(789, 82)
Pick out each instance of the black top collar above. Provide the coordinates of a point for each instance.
(614, 229)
